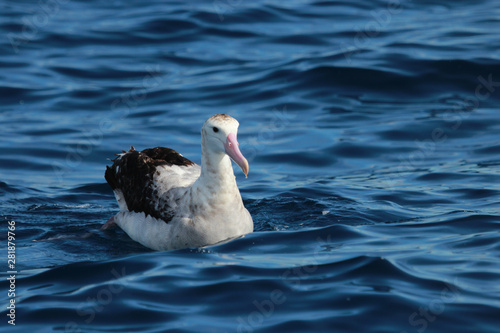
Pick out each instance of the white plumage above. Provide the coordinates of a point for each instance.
(168, 202)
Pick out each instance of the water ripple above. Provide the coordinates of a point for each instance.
(371, 128)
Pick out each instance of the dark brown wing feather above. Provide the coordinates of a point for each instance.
(133, 172)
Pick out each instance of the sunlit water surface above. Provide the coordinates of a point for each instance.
(372, 132)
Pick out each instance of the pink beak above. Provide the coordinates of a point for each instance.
(233, 151)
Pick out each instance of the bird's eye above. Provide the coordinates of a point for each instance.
(215, 129)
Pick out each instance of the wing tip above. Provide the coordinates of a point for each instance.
(110, 176)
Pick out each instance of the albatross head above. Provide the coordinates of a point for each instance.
(219, 134)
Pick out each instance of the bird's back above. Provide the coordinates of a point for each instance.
(151, 181)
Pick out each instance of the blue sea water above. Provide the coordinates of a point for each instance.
(372, 129)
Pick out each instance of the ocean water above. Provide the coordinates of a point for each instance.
(372, 129)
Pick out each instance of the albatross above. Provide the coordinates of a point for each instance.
(168, 202)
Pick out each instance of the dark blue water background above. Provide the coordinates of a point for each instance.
(372, 129)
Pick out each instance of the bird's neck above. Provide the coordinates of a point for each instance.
(216, 185)
(216, 170)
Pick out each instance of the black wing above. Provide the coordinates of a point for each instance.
(132, 173)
